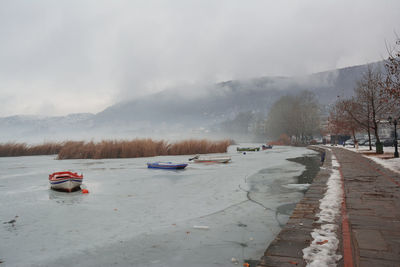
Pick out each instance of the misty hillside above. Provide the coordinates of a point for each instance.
(174, 111)
(38, 128)
(225, 100)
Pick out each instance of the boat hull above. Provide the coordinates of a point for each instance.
(266, 147)
(248, 149)
(212, 160)
(69, 185)
(65, 181)
(166, 166)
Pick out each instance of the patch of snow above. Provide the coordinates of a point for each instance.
(391, 164)
(327, 147)
(335, 163)
(322, 251)
(300, 187)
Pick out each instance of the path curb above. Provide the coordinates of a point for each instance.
(286, 248)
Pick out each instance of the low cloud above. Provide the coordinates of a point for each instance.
(86, 55)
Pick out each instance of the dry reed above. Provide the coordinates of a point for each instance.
(283, 140)
(22, 149)
(139, 148)
(115, 149)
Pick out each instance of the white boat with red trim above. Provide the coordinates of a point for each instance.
(65, 181)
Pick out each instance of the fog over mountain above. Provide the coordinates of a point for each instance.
(61, 57)
(172, 113)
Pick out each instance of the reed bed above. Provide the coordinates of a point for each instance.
(115, 149)
(139, 148)
(22, 149)
(283, 140)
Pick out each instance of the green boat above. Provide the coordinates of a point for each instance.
(241, 149)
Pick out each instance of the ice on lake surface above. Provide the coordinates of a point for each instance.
(135, 216)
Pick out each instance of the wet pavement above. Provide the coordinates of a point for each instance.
(373, 209)
(370, 228)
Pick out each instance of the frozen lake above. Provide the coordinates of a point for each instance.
(134, 216)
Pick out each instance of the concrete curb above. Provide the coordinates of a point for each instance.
(286, 249)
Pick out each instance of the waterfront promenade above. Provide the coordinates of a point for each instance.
(369, 224)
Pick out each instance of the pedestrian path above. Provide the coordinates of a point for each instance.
(370, 224)
(372, 197)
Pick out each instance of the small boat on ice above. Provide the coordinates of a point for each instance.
(215, 159)
(166, 165)
(241, 149)
(65, 181)
(265, 147)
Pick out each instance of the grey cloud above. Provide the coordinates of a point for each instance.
(100, 52)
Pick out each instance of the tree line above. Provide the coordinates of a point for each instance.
(376, 98)
(301, 118)
(296, 116)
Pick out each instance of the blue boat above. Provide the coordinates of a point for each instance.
(265, 147)
(166, 165)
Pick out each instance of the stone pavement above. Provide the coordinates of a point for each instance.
(286, 249)
(373, 208)
(370, 232)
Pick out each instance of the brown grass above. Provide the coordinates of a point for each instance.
(22, 149)
(283, 140)
(114, 149)
(139, 148)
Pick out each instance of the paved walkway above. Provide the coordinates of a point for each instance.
(370, 230)
(372, 196)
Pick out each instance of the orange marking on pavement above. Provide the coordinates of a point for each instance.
(346, 234)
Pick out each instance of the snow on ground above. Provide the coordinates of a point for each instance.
(322, 251)
(300, 187)
(390, 163)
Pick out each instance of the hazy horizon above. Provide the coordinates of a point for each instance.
(69, 57)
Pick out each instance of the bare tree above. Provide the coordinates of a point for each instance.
(279, 119)
(349, 107)
(372, 106)
(296, 116)
(360, 114)
(335, 121)
(308, 115)
(391, 84)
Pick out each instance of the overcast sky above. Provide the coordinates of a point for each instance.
(60, 57)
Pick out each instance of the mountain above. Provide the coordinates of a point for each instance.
(176, 112)
(225, 100)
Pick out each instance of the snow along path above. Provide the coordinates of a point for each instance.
(392, 164)
(322, 251)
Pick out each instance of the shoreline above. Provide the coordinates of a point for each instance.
(312, 169)
(286, 248)
(312, 164)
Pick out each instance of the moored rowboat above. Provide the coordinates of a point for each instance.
(265, 147)
(215, 159)
(65, 181)
(241, 149)
(166, 165)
